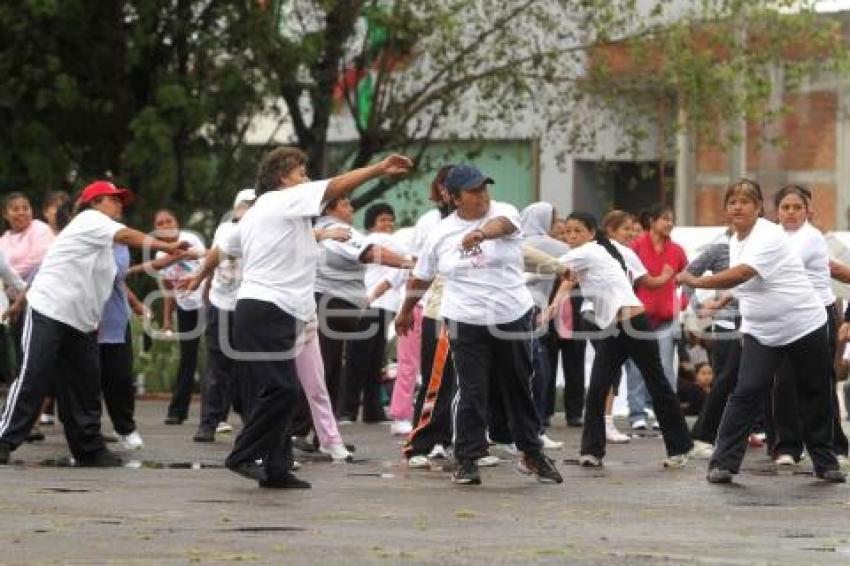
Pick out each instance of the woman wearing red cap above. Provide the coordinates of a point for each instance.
(66, 301)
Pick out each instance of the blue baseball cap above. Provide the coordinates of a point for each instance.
(465, 177)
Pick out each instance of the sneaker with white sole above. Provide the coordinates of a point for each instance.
(418, 462)
(843, 462)
(438, 452)
(549, 444)
(589, 461)
(702, 450)
(223, 428)
(785, 460)
(613, 435)
(541, 466)
(640, 424)
(650, 418)
(488, 461)
(46, 419)
(337, 452)
(677, 461)
(400, 428)
(132, 441)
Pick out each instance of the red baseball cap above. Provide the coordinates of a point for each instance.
(105, 188)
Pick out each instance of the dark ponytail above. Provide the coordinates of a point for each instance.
(589, 222)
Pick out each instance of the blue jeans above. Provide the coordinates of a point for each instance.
(638, 396)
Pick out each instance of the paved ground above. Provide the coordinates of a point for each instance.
(377, 511)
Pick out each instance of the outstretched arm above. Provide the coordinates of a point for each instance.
(725, 279)
(137, 239)
(343, 185)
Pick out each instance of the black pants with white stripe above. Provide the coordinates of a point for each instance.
(503, 352)
(56, 352)
(267, 334)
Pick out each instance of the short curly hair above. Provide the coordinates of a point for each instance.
(278, 163)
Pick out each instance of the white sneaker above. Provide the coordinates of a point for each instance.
(843, 462)
(401, 428)
(785, 460)
(46, 419)
(640, 424)
(296, 465)
(337, 452)
(677, 461)
(132, 441)
(418, 462)
(488, 461)
(549, 444)
(650, 418)
(223, 428)
(613, 435)
(438, 452)
(589, 461)
(702, 450)
(509, 449)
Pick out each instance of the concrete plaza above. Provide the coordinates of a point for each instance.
(178, 505)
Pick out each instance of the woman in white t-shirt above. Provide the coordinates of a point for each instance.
(624, 332)
(488, 310)
(188, 306)
(66, 302)
(781, 315)
(783, 414)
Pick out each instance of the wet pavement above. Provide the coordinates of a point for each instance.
(175, 503)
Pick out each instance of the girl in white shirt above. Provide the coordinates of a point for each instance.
(66, 302)
(780, 316)
(792, 210)
(624, 332)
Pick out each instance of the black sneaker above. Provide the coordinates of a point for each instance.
(250, 470)
(719, 475)
(103, 458)
(540, 465)
(172, 420)
(575, 422)
(5, 453)
(832, 476)
(204, 435)
(304, 444)
(466, 473)
(285, 481)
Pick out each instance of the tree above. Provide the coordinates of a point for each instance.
(153, 92)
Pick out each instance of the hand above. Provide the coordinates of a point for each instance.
(396, 165)
(14, 310)
(472, 239)
(175, 247)
(337, 233)
(403, 322)
(685, 278)
(667, 272)
(188, 284)
(844, 332)
(546, 315)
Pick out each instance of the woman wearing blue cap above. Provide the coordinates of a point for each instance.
(488, 311)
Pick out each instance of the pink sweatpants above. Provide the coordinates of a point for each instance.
(408, 349)
(311, 375)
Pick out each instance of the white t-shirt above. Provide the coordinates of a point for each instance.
(174, 273)
(810, 245)
(603, 282)
(228, 274)
(779, 305)
(340, 272)
(279, 252)
(76, 276)
(482, 286)
(634, 266)
(375, 274)
(426, 223)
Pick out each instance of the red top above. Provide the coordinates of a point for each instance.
(661, 304)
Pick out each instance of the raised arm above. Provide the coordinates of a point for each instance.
(343, 185)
